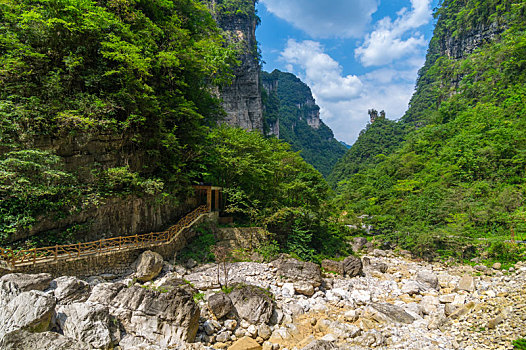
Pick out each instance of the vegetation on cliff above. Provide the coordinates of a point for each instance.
(138, 69)
(374, 142)
(293, 105)
(459, 174)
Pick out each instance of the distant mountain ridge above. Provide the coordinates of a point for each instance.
(291, 114)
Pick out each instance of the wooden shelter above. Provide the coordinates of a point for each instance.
(211, 196)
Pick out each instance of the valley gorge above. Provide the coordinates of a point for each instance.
(160, 190)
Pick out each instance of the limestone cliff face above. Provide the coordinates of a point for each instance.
(241, 99)
(459, 46)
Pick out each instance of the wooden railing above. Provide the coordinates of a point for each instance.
(12, 258)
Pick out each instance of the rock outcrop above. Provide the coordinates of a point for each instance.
(241, 100)
(164, 318)
(31, 311)
(69, 289)
(29, 282)
(300, 271)
(252, 304)
(90, 324)
(37, 341)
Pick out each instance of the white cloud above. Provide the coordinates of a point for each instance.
(344, 100)
(322, 73)
(325, 19)
(393, 40)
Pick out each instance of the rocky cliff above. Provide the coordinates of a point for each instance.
(242, 98)
(291, 113)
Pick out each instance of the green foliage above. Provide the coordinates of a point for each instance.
(199, 248)
(268, 184)
(198, 297)
(459, 172)
(33, 183)
(293, 104)
(226, 9)
(375, 141)
(519, 344)
(140, 71)
(269, 249)
(120, 180)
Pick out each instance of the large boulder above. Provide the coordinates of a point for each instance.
(427, 278)
(252, 303)
(30, 311)
(69, 289)
(295, 271)
(165, 318)
(220, 304)
(352, 266)
(89, 323)
(26, 282)
(387, 313)
(148, 266)
(25, 340)
(332, 266)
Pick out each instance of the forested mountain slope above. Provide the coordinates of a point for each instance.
(461, 170)
(103, 109)
(292, 114)
(376, 141)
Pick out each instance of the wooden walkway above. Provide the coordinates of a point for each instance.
(11, 259)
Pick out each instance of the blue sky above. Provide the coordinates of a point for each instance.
(354, 54)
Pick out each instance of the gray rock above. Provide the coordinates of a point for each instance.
(320, 345)
(427, 278)
(332, 266)
(148, 266)
(27, 282)
(497, 266)
(466, 283)
(89, 323)
(387, 313)
(374, 266)
(230, 325)
(412, 287)
(31, 311)
(304, 288)
(223, 337)
(162, 318)
(252, 304)
(380, 253)
(220, 304)
(264, 331)
(358, 243)
(372, 339)
(24, 340)
(68, 289)
(352, 266)
(8, 291)
(295, 271)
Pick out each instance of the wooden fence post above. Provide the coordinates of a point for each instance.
(56, 252)
(120, 242)
(137, 240)
(78, 249)
(34, 256)
(100, 246)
